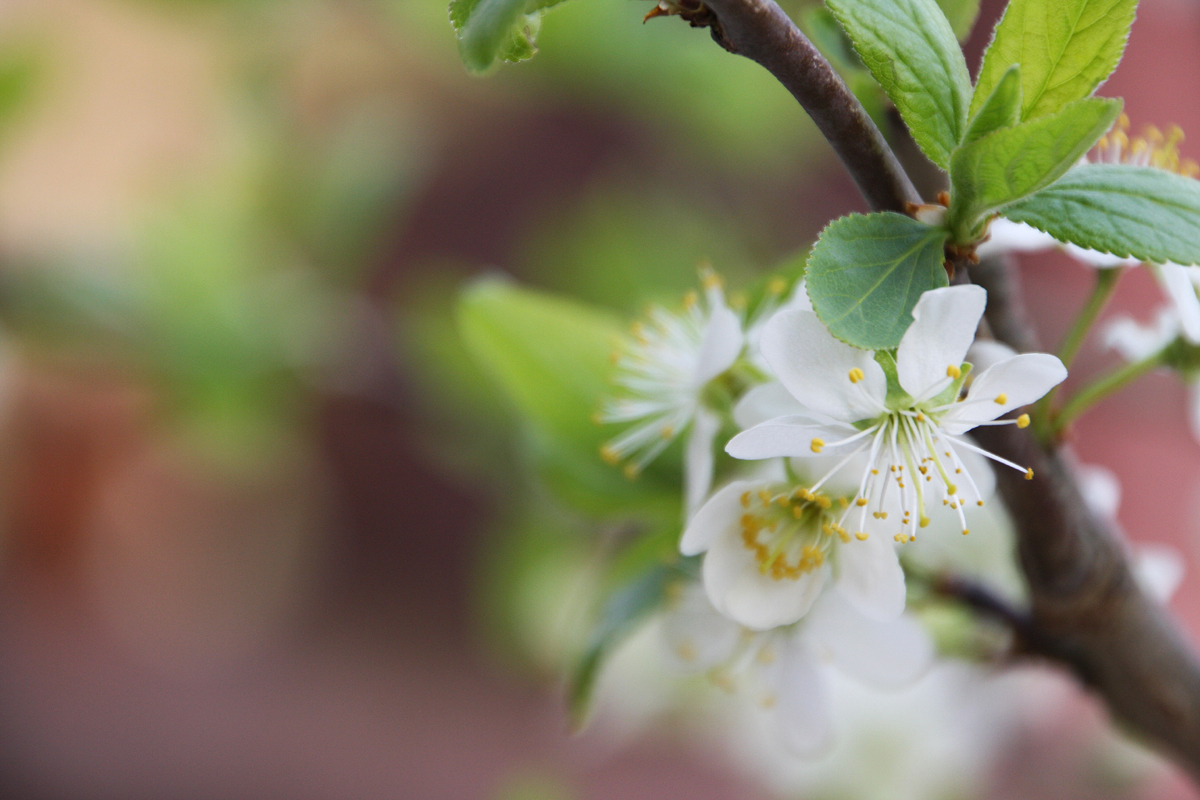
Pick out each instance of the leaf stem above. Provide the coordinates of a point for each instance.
(1102, 290)
(1096, 391)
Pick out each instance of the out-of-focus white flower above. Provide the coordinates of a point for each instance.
(909, 420)
(1136, 342)
(663, 371)
(786, 669)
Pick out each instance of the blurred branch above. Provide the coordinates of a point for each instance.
(1086, 610)
(761, 31)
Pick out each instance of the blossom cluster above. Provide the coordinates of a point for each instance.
(841, 456)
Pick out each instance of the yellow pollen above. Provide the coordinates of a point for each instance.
(817, 444)
(843, 502)
(777, 285)
(862, 537)
(797, 511)
(631, 471)
(845, 537)
(862, 501)
(965, 531)
(610, 455)
(1001, 399)
(1123, 121)
(710, 279)
(953, 372)
(920, 417)
(958, 471)
(765, 496)
(874, 472)
(689, 300)
(978, 502)
(745, 499)
(667, 432)
(1023, 421)
(823, 501)
(856, 375)
(1029, 474)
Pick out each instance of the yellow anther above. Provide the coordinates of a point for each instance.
(874, 472)
(797, 511)
(710, 279)
(978, 502)
(689, 300)
(1123, 121)
(823, 501)
(843, 502)
(856, 375)
(920, 417)
(965, 531)
(610, 455)
(614, 356)
(686, 651)
(817, 444)
(924, 521)
(862, 537)
(765, 496)
(1023, 421)
(953, 372)
(737, 301)
(745, 499)
(776, 285)
(1001, 399)
(667, 432)
(845, 537)
(631, 471)
(862, 501)
(1029, 474)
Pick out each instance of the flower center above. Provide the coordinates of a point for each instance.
(792, 532)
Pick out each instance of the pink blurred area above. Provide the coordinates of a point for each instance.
(171, 630)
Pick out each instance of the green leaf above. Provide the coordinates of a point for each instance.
(1012, 163)
(625, 607)
(961, 15)
(550, 357)
(1066, 48)
(496, 29)
(1001, 110)
(911, 50)
(866, 273)
(1149, 214)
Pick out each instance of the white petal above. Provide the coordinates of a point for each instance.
(816, 368)
(1097, 259)
(720, 513)
(870, 576)
(1100, 489)
(738, 588)
(943, 327)
(784, 436)
(1158, 569)
(696, 635)
(889, 655)
(1177, 284)
(1006, 236)
(721, 345)
(1135, 341)
(1019, 381)
(698, 460)
(763, 402)
(987, 353)
(801, 712)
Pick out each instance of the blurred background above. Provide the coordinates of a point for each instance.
(258, 535)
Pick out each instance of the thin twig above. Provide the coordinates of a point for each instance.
(761, 31)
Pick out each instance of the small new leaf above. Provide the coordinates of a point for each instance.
(1011, 163)
(911, 50)
(1002, 109)
(491, 30)
(1066, 48)
(866, 273)
(1149, 214)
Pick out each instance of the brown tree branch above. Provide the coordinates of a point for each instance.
(1086, 610)
(761, 31)
(1085, 606)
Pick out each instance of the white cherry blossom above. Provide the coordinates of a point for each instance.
(910, 425)
(787, 668)
(663, 371)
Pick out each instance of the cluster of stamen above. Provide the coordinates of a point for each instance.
(791, 533)
(1152, 148)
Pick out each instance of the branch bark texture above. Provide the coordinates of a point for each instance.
(1087, 611)
(761, 31)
